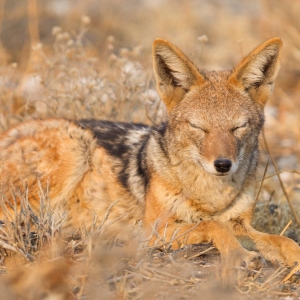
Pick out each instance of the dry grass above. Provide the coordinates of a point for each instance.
(100, 67)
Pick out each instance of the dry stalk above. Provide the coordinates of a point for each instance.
(280, 172)
(281, 183)
(293, 271)
(147, 277)
(174, 237)
(274, 275)
(200, 253)
(117, 279)
(107, 213)
(262, 181)
(169, 275)
(7, 246)
(286, 227)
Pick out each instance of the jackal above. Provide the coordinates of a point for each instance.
(190, 179)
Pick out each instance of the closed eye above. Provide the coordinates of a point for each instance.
(197, 127)
(244, 125)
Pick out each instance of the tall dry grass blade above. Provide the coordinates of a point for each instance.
(280, 172)
(107, 214)
(173, 238)
(7, 246)
(293, 271)
(281, 183)
(286, 227)
(262, 181)
(274, 275)
(201, 253)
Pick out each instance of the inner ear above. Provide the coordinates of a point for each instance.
(257, 72)
(170, 76)
(175, 74)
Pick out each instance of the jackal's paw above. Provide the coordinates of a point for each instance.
(248, 259)
(281, 249)
(241, 257)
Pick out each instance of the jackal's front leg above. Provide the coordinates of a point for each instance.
(274, 248)
(164, 229)
(210, 231)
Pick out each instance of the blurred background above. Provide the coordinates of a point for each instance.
(92, 58)
(231, 26)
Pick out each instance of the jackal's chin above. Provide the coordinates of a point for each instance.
(221, 175)
(217, 174)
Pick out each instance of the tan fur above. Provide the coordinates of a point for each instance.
(171, 178)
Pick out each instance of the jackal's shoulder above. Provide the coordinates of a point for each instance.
(127, 144)
(118, 138)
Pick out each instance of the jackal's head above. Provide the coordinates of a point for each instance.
(215, 117)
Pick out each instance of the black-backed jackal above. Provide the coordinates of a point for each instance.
(193, 174)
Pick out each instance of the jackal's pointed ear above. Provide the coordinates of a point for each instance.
(257, 72)
(174, 72)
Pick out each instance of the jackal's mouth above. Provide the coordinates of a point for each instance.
(221, 175)
(211, 170)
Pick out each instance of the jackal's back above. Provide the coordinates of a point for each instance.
(86, 165)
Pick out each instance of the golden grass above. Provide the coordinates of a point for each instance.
(100, 67)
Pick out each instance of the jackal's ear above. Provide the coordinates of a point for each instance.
(175, 74)
(257, 72)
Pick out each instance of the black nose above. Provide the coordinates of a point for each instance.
(222, 165)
